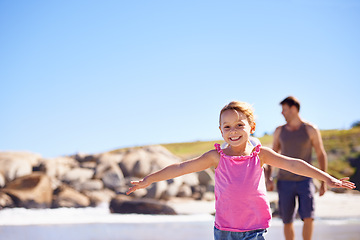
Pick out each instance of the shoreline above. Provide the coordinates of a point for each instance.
(337, 218)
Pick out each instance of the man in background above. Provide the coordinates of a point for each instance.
(296, 139)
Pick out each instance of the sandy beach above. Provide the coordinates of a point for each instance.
(337, 217)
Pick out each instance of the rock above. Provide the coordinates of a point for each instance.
(77, 175)
(184, 191)
(156, 190)
(110, 158)
(83, 157)
(206, 177)
(190, 179)
(173, 188)
(32, 158)
(12, 167)
(66, 196)
(2, 180)
(6, 201)
(31, 191)
(130, 158)
(140, 206)
(198, 191)
(111, 175)
(57, 167)
(139, 162)
(89, 185)
(160, 150)
(163, 160)
(142, 168)
(88, 165)
(98, 197)
(208, 196)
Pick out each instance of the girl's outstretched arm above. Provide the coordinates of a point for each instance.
(301, 167)
(207, 160)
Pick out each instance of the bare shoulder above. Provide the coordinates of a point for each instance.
(311, 129)
(310, 125)
(212, 156)
(278, 130)
(265, 153)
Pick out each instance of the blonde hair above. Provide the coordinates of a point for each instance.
(243, 107)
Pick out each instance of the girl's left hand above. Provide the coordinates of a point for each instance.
(341, 183)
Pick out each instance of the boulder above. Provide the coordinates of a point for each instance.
(160, 160)
(140, 206)
(206, 177)
(83, 157)
(2, 180)
(111, 175)
(191, 179)
(66, 196)
(32, 158)
(110, 158)
(12, 167)
(185, 191)
(156, 190)
(172, 189)
(130, 158)
(160, 150)
(89, 185)
(6, 201)
(98, 197)
(208, 196)
(77, 175)
(142, 168)
(31, 191)
(57, 167)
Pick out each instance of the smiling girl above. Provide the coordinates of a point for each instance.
(242, 206)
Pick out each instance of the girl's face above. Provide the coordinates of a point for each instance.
(235, 128)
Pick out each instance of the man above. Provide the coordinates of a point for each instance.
(296, 139)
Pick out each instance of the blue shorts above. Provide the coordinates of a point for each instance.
(289, 192)
(250, 235)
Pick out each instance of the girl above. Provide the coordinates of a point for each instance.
(242, 207)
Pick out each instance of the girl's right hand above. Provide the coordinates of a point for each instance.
(138, 185)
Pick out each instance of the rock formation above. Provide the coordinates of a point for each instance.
(30, 181)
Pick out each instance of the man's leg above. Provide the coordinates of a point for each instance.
(287, 206)
(289, 231)
(306, 190)
(308, 228)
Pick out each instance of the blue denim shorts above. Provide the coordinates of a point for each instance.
(250, 235)
(289, 192)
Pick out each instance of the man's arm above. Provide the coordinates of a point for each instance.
(317, 143)
(268, 168)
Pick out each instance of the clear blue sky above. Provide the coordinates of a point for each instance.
(92, 76)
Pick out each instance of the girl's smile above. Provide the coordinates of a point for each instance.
(235, 128)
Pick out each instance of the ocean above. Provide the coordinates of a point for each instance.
(99, 224)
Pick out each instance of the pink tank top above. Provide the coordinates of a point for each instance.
(241, 201)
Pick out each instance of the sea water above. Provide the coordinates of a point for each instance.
(99, 224)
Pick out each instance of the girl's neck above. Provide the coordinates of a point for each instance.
(241, 150)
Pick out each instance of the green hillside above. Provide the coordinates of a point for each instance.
(339, 146)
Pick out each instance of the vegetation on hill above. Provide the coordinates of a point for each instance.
(340, 145)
